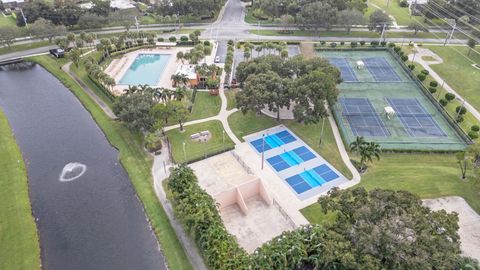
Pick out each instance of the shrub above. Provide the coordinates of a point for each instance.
(342, 43)
(459, 118)
(403, 4)
(475, 128)
(140, 42)
(432, 90)
(397, 49)
(426, 72)
(183, 38)
(411, 66)
(473, 135)
(333, 44)
(353, 44)
(160, 39)
(153, 142)
(404, 58)
(172, 39)
(383, 43)
(449, 96)
(410, 44)
(374, 43)
(461, 110)
(391, 44)
(362, 42)
(443, 102)
(230, 42)
(421, 77)
(433, 84)
(206, 43)
(322, 42)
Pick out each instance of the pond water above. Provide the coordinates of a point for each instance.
(86, 209)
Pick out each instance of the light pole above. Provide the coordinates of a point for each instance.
(184, 152)
(223, 139)
(321, 133)
(263, 149)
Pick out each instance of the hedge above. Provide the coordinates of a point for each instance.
(449, 96)
(475, 128)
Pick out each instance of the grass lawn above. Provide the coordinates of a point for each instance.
(195, 150)
(7, 20)
(249, 123)
(231, 102)
(136, 162)
(205, 106)
(19, 247)
(23, 47)
(402, 16)
(249, 18)
(427, 175)
(457, 71)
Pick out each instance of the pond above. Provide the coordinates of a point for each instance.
(86, 209)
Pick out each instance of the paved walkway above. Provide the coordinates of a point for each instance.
(438, 60)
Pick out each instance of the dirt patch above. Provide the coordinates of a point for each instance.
(307, 50)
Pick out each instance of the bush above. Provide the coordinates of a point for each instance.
(404, 58)
(411, 66)
(183, 38)
(449, 96)
(362, 42)
(333, 44)
(353, 44)
(432, 90)
(160, 39)
(153, 142)
(473, 135)
(397, 49)
(206, 43)
(391, 44)
(403, 4)
(342, 43)
(322, 42)
(459, 118)
(475, 128)
(433, 84)
(426, 72)
(374, 43)
(421, 77)
(443, 102)
(383, 43)
(172, 39)
(230, 42)
(461, 110)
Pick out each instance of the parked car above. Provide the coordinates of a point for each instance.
(217, 59)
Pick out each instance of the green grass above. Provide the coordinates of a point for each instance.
(249, 123)
(402, 16)
(196, 150)
(249, 18)
(19, 247)
(231, 102)
(315, 215)
(136, 162)
(205, 106)
(23, 47)
(7, 20)
(427, 175)
(457, 71)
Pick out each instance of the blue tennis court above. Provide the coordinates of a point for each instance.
(290, 158)
(348, 75)
(312, 178)
(415, 119)
(381, 70)
(362, 118)
(273, 141)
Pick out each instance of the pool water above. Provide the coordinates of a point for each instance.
(145, 69)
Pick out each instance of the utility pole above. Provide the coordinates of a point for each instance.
(449, 36)
(414, 7)
(383, 32)
(321, 132)
(24, 18)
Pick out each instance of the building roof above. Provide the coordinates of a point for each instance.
(12, 1)
(187, 70)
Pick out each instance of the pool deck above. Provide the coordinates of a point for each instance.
(118, 67)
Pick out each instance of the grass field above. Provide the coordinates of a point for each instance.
(205, 106)
(193, 149)
(136, 162)
(231, 102)
(457, 71)
(427, 175)
(402, 16)
(7, 20)
(249, 123)
(23, 47)
(19, 247)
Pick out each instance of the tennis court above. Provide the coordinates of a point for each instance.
(273, 141)
(416, 120)
(348, 75)
(302, 170)
(381, 69)
(362, 117)
(419, 122)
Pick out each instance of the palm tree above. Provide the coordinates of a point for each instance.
(355, 145)
(180, 56)
(130, 90)
(367, 151)
(179, 93)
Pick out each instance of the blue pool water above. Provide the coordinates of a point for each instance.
(145, 69)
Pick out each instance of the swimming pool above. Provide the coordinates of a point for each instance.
(301, 169)
(145, 69)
